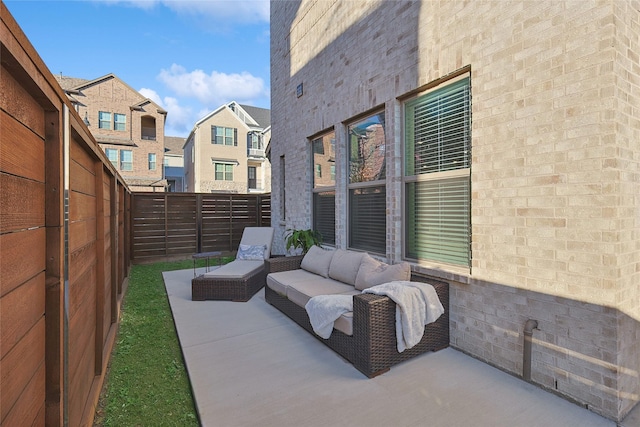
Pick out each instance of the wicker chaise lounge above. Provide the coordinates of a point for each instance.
(372, 346)
(240, 279)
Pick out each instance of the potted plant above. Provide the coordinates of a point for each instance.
(302, 240)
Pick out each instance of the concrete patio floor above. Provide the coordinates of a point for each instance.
(250, 365)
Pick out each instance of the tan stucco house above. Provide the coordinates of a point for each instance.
(225, 151)
(128, 127)
(494, 145)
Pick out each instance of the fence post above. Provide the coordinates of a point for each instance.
(199, 222)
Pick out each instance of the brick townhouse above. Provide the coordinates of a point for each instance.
(128, 127)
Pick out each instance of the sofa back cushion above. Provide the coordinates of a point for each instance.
(373, 272)
(345, 265)
(317, 260)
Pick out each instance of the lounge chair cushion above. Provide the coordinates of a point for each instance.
(317, 260)
(236, 269)
(345, 265)
(373, 272)
(251, 252)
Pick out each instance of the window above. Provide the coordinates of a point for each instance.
(367, 191)
(224, 136)
(104, 120)
(112, 155)
(152, 161)
(252, 177)
(254, 140)
(120, 121)
(283, 189)
(437, 175)
(126, 160)
(324, 188)
(223, 171)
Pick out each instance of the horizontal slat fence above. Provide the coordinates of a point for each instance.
(64, 247)
(177, 225)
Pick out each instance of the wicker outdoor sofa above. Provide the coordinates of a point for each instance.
(372, 345)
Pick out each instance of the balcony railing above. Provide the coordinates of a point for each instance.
(255, 152)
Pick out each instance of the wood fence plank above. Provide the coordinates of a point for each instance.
(22, 201)
(21, 150)
(21, 309)
(20, 364)
(28, 404)
(20, 103)
(22, 257)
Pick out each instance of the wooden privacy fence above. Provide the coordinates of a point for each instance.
(175, 225)
(64, 247)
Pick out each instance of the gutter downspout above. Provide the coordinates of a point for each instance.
(529, 326)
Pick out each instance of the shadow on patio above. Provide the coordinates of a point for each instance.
(249, 364)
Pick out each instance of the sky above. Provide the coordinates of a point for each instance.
(189, 56)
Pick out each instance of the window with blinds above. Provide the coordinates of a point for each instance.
(367, 192)
(324, 185)
(438, 175)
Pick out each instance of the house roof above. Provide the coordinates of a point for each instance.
(260, 115)
(73, 85)
(173, 145)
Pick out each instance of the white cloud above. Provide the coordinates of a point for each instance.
(213, 89)
(180, 119)
(239, 11)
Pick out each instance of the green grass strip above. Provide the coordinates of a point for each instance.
(147, 383)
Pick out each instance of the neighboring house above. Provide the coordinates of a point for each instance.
(174, 163)
(225, 151)
(493, 145)
(128, 127)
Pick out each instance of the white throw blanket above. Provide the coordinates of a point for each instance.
(417, 305)
(323, 310)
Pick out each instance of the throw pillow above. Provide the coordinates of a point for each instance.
(251, 252)
(317, 260)
(373, 272)
(345, 265)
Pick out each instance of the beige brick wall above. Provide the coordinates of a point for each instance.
(555, 185)
(200, 170)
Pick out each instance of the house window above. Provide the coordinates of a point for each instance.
(253, 184)
(112, 155)
(438, 175)
(119, 121)
(126, 160)
(152, 161)
(104, 120)
(254, 141)
(283, 188)
(224, 136)
(367, 191)
(223, 171)
(324, 188)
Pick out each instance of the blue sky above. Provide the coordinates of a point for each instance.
(188, 56)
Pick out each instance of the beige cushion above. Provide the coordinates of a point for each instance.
(236, 269)
(301, 292)
(280, 281)
(373, 272)
(345, 265)
(317, 261)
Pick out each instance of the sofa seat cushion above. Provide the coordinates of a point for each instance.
(280, 281)
(236, 269)
(300, 292)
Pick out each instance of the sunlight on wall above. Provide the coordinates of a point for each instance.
(327, 24)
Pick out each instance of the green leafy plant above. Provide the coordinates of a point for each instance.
(302, 239)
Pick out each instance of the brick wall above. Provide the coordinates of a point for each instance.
(555, 188)
(113, 96)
